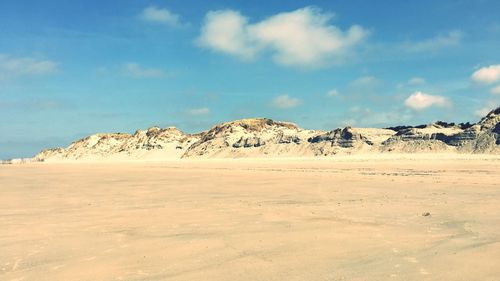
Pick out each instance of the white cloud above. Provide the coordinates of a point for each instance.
(136, 71)
(226, 31)
(11, 67)
(301, 38)
(416, 81)
(198, 111)
(495, 90)
(487, 75)
(304, 37)
(363, 116)
(348, 122)
(160, 15)
(285, 101)
(483, 111)
(412, 83)
(364, 82)
(332, 93)
(420, 101)
(451, 39)
(365, 85)
(489, 106)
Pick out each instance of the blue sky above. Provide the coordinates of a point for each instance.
(72, 68)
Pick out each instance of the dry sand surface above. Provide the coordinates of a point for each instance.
(350, 218)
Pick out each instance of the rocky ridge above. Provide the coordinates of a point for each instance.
(154, 143)
(262, 137)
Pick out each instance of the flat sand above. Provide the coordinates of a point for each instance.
(350, 218)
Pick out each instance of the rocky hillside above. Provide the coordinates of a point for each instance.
(263, 137)
(482, 137)
(252, 138)
(154, 143)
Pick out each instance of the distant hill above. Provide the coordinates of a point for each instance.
(262, 137)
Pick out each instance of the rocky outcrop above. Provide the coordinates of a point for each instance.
(51, 153)
(262, 137)
(251, 138)
(346, 138)
(154, 143)
(420, 139)
(482, 137)
(249, 142)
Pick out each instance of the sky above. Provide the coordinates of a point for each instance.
(69, 69)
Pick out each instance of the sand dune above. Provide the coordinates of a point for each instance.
(266, 138)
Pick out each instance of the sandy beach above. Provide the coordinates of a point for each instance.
(350, 218)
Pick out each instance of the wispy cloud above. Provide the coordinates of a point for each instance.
(158, 15)
(136, 71)
(411, 83)
(483, 111)
(364, 82)
(487, 75)
(12, 67)
(365, 116)
(332, 93)
(495, 90)
(416, 81)
(285, 102)
(419, 101)
(363, 86)
(301, 38)
(198, 111)
(450, 39)
(487, 107)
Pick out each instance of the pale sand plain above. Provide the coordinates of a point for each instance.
(348, 218)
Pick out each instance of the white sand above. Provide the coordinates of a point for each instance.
(347, 218)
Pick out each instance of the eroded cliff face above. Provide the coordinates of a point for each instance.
(252, 138)
(349, 140)
(262, 137)
(483, 137)
(154, 143)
